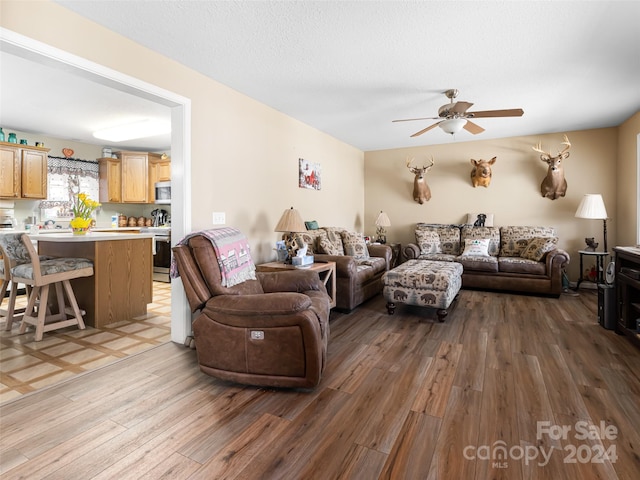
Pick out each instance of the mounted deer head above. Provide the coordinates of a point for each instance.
(421, 191)
(554, 184)
(481, 172)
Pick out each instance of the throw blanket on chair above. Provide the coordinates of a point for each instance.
(233, 254)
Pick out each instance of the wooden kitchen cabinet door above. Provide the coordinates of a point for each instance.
(135, 177)
(110, 180)
(34, 174)
(10, 174)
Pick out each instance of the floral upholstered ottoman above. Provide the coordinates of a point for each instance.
(423, 283)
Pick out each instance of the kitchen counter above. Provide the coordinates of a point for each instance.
(121, 286)
(92, 236)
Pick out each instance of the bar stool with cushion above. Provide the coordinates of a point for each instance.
(5, 276)
(40, 275)
(13, 253)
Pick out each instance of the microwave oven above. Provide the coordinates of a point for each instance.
(163, 192)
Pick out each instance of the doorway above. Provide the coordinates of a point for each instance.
(39, 52)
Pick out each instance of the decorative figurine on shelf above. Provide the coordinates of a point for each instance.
(591, 244)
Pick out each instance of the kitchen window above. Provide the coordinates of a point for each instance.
(65, 178)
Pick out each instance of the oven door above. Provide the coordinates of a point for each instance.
(162, 258)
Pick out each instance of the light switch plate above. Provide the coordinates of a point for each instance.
(219, 218)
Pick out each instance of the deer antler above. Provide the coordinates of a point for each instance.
(538, 148)
(567, 144)
(431, 164)
(409, 161)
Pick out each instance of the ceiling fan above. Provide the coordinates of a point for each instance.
(454, 116)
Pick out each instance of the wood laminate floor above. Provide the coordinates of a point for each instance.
(27, 365)
(510, 386)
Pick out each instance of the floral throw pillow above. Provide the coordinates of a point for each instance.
(538, 247)
(354, 245)
(477, 247)
(428, 241)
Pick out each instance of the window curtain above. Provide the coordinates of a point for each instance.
(66, 178)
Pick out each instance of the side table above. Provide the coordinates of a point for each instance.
(599, 257)
(326, 272)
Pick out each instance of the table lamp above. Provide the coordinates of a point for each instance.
(290, 223)
(592, 207)
(382, 222)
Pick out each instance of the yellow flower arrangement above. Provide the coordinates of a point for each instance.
(82, 209)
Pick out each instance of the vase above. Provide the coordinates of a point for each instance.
(80, 230)
(12, 138)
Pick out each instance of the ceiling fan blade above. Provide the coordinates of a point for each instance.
(473, 127)
(514, 112)
(413, 119)
(426, 129)
(460, 107)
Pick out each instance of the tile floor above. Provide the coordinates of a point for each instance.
(27, 365)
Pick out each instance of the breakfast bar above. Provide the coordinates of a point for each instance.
(121, 286)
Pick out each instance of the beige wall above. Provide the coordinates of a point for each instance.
(244, 155)
(514, 194)
(627, 182)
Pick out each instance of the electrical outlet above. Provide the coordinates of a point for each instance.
(219, 218)
(257, 335)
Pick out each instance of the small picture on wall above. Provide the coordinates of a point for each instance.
(309, 174)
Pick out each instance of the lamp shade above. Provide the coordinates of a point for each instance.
(291, 221)
(592, 206)
(452, 125)
(383, 220)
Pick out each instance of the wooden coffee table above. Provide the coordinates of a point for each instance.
(326, 272)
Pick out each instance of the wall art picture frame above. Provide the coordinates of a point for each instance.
(309, 174)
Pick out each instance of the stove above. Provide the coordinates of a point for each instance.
(162, 257)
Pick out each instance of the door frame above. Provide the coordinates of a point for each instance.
(39, 52)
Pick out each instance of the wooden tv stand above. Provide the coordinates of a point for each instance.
(627, 282)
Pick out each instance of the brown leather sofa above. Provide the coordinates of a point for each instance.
(511, 262)
(357, 279)
(272, 331)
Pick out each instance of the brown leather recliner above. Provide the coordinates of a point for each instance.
(272, 331)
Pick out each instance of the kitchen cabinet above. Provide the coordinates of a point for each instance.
(23, 171)
(135, 177)
(110, 182)
(130, 177)
(159, 171)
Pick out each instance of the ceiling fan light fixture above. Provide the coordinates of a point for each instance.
(132, 131)
(453, 125)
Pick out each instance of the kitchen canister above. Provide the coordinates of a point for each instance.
(12, 138)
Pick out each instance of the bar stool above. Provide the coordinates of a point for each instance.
(12, 253)
(40, 275)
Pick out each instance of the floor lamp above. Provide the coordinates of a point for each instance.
(592, 207)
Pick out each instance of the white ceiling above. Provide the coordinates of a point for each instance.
(349, 68)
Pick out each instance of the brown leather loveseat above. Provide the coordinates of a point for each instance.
(359, 267)
(272, 331)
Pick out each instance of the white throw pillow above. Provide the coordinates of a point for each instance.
(478, 247)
